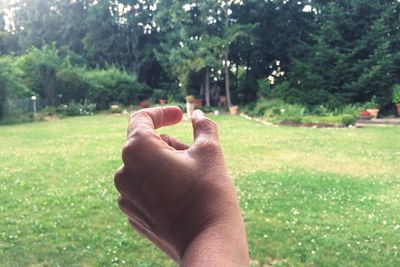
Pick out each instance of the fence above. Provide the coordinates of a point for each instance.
(25, 105)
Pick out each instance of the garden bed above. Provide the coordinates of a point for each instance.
(310, 124)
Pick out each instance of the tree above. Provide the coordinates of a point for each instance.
(349, 58)
(40, 69)
(11, 85)
(2, 22)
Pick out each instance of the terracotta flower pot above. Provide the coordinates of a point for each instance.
(398, 108)
(374, 112)
(233, 110)
(163, 102)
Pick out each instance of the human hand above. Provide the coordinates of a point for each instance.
(180, 197)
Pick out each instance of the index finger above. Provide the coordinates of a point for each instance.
(150, 119)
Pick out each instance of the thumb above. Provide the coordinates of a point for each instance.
(204, 129)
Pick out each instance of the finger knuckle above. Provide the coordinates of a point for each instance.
(119, 177)
(131, 149)
(210, 146)
(121, 202)
(136, 114)
(140, 134)
(207, 124)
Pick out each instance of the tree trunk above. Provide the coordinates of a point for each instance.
(227, 82)
(207, 88)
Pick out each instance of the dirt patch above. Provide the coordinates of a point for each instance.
(50, 118)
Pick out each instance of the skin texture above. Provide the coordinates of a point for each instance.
(180, 197)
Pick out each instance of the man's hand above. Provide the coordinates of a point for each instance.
(181, 197)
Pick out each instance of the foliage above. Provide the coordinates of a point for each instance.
(333, 53)
(77, 109)
(276, 108)
(396, 94)
(373, 104)
(159, 94)
(116, 110)
(206, 109)
(11, 85)
(348, 120)
(13, 114)
(40, 69)
(113, 85)
(71, 84)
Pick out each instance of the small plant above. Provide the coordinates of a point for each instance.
(321, 110)
(373, 104)
(206, 109)
(116, 110)
(396, 94)
(77, 109)
(348, 120)
(159, 94)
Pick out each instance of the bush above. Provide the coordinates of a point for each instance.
(348, 120)
(353, 109)
(119, 109)
(372, 104)
(113, 85)
(40, 68)
(11, 85)
(321, 110)
(77, 109)
(206, 109)
(396, 94)
(275, 108)
(14, 114)
(159, 94)
(71, 84)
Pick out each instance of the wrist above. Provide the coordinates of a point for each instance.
(223, 243)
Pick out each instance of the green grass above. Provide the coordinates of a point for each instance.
(323, 197)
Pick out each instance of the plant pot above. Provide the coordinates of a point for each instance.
(398, 108)
(163, 102)
(198, 102)
(233, 110)
(374, 112)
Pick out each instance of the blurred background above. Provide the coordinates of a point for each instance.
(318, 56)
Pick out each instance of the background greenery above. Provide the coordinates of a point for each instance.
(323, 197)
(330, 53)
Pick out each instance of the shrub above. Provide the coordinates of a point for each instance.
(14, 114)
(113, 85)
(77, 109)
(372, 104)
(119, 109)
(321, 110)
(206, 109)
(40, 68)
(353, 109)
(71, 84)
(11, 85)
(396, 94)
(159, 94)
(348, 120)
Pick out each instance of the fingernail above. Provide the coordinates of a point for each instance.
(197, 114)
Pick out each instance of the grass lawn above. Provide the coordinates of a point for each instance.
(323, 197)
